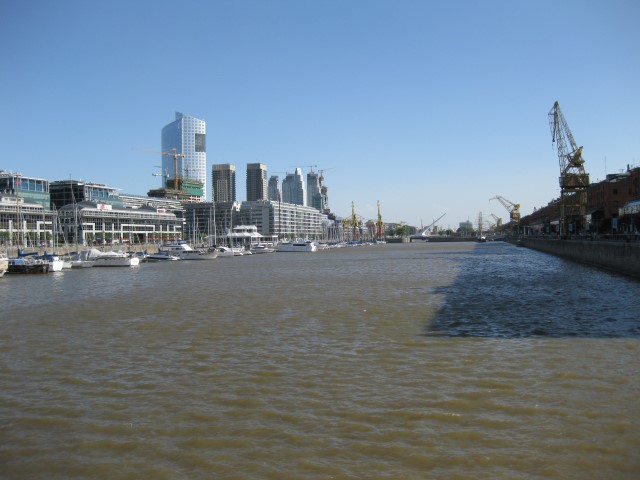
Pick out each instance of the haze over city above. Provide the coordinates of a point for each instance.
(428, 107)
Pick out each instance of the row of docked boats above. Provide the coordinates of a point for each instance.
(181, 250)
(33, 264)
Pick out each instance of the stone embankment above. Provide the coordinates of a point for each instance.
(617, 256)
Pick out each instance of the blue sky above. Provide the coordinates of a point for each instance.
(428, 107)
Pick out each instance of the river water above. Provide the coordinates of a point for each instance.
(398, 361)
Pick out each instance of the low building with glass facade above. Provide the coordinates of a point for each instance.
(24, 222)
(31, 189)
(90, 223)
(65, 192)
(207, 223)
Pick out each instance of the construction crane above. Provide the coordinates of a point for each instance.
(307, 166)
(512, 208)
(164, 175)
(379, 225)
(175, 155)
(354, 221)
(573, 178)
(496, 219)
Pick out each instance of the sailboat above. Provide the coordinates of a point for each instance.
(56, 262)
(25, 262)
(4, 263)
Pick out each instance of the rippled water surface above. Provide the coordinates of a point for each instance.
(456, 361)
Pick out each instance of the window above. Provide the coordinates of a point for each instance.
(200, 139)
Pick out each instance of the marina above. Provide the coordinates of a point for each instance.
(320, 240)
(417, 360)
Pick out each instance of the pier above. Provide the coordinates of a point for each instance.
(614, 255)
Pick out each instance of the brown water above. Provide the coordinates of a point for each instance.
(456, 361)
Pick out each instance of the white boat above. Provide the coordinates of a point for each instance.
(85, 258)
(298, 246)
(56, 264)
(223, 251)
(262, 248)
(4, 263)
(116, 259)
(161, 257)
(183, 250)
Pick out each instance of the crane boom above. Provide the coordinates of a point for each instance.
(573, 178)
(175, 156)
(379, 225)
(570, 156)
(512, 208)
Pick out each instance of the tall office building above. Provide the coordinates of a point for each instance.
(274, 189)
(223, 182)
(256, 182)
(293, 188)
(188, 136)
(324, 196)
(314, 199)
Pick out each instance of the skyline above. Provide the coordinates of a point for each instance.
(412, 104)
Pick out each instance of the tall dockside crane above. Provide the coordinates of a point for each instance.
(573, 178)
(354, 222)
(512, 208)
(379, 225)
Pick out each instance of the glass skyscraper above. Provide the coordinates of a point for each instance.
(188, 136)
(274, 189)
(293, 188)
(314, 199)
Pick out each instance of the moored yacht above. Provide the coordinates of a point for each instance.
(297, 246)
(183, 250)
(160, 257)
(27, 265)
(85, 258)
(116, 259)
(262, 248)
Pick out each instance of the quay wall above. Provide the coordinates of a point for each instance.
(616, 256)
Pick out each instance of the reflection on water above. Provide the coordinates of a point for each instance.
(396, 361)
(516, 292)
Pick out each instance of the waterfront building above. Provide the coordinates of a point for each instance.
(608, 210)
(137, 201)
(293, 190)
(89, 223)
(274, 189)
(465, 228)
(24, 222)
(187, 135)
(31, 189)
(223, 181)
(65, 192)
(188, 191)
(256, 182)
(208, 222)
(284, 220)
